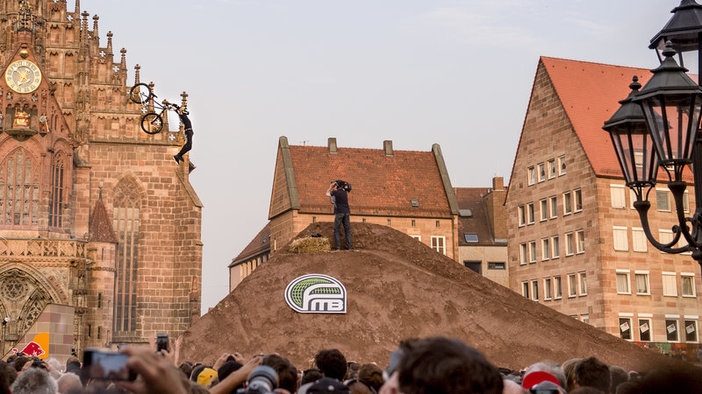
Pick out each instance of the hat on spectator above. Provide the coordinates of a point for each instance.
(533, 378)
(206, 376)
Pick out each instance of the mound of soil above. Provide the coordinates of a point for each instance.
(397, 288)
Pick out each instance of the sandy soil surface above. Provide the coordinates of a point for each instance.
(397, 288)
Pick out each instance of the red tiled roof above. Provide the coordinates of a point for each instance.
(590, 94)
(258, 245)
(382, 184)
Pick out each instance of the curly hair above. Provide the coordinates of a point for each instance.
(332, 363)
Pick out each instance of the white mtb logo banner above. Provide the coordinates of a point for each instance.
(316, 293)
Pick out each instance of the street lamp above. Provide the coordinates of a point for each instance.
(4, 327)
(658, 126)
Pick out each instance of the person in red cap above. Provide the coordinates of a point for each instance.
(544, 372)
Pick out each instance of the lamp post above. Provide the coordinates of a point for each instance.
(4, 327)
(658, 128)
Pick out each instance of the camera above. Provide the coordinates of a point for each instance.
(341, 184)
(102, 364)
(161, 342)
(262, 380)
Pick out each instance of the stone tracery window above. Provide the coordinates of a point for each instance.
(126, 225)
(19, 190)
(57, 197)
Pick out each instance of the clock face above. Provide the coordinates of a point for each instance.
(23, 76)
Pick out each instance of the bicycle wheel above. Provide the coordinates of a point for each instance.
(152, 123)
(140, 93)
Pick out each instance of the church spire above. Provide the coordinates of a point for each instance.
(25, 20)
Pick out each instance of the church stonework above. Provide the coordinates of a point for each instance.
(94, 213)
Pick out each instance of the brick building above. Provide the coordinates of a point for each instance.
(482, 230)
(94, 215)
(409, 191)
(575, 241)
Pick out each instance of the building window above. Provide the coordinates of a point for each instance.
(545, 249)
(557, 287)
(671, 330)
(57, 197)
(525, 289)
(548, 290)
(585, 318)
(530, 213)
(688, 285)
(531, 174)
(686, 201)
(125, 221)
(532, 251)
(535, 290)
(542, 172)
(552, 169)
(618, 196)
(582, 280)
(621, 242)
(625, 328)
(497, 265)
(414, 223)
(556, 247)
(580, 241)
(665, 236)
(691, 331)
(570, 244)
(623, 286)
(567, 204)
(663, 200)
(578, 200)
(544, 209)
(438, 243)
(638, 238)
(521, 211)
(670, 284)
(572, 285)
(475, 266)
(438, 224)
(642, 284)
(19, 190)
(645, 330)
(523, 253)
(554, 207)
(561, 165)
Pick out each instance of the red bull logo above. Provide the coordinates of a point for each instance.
(37, 347)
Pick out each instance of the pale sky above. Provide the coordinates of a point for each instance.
(457, 73)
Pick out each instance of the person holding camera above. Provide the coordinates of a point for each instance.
(342, 213)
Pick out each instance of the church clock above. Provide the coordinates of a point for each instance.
(23, 76)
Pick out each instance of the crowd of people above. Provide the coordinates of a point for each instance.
(432, 365)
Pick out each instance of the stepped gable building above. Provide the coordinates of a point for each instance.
(482, 230)
(575, 241)
(98, 226)
(409, 191)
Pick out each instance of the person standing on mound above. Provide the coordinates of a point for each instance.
(342, 212)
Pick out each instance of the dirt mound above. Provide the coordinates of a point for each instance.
(397, 288)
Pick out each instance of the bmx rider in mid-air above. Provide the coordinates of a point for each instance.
(188, 129)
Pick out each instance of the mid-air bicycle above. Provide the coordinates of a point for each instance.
(152, 111)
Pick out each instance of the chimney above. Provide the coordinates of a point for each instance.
(387, 147)
(332, 146)
(498, 183)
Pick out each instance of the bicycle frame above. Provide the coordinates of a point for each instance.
(152, 111)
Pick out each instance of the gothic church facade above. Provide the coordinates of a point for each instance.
(95, 216)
